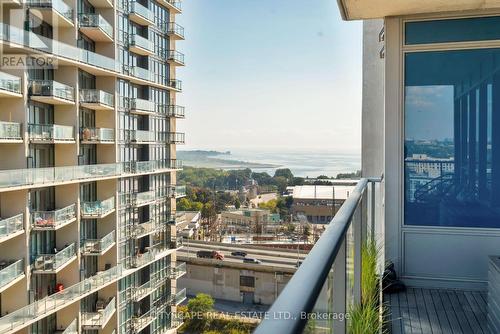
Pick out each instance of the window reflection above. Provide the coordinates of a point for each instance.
(452, 138)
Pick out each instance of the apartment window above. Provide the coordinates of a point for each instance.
(248, 281)
(452, 138)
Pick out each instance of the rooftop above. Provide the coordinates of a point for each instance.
(321, 192)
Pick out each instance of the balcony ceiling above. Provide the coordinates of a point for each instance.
(371, 9)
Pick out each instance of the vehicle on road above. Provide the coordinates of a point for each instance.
(251, 260)
(239, 253)
(217, 255)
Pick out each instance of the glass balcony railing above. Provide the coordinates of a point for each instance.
(143, 229)
(139, 10)
(96, 96)
(71, 329)
(98, 246)
(137, 199)
(178, 298)
(53, 219)
(141, 136)
(142, 105)
(141, 259)
(9, 272)
(18, 319)
(97, 209)
(10, 83)
(177, 4)
(174, 29)
(12, 225)
(51, 88)
(92, 20)
(140, 322)
(171, 110)
(141, 73)
(175, 138)
(173, 191)
(329, 270)
(10, 131)
(141, 42)
(175, 56)
(97, 134)
(93, 320)
(52, 262)
(50, 132)
(175, 84)
(58, 5)
(177, 270)
(176, 242)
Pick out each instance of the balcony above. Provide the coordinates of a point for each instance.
(140, 322)
(51, 134)
(98, 320)
(174, 57)
(176, 242)
(174, 31)
(175, 138)
(10, 132)
(53, 220)
(96, 99)
(172, 191)
(101, 3)
(332, 270)
(178, 297)
(55, 12)
(171, 111)
(53, 263)
(140, 14)
(97, 135)
(10, 272)
(138, 72)
(144, 229)
(98, 246)
(11, 227)
(10, 85)
(141, 46)
(137, 199)
(71, 329)
(177, 270)
(141, 107)
(97, 209)
(16, 320)
(51, 92)
(141, 136)
(174, 6)
(175, 84)
(95, 27)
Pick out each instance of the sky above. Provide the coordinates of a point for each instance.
(270, 74)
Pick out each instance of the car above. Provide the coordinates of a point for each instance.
(251, 260)
(239, 253)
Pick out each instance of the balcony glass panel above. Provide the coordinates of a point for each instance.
(53, 219)
(140, 104)
(72, 328)
(176, 3)
(58, 5)
(175, 84)
(175, 56)
(50, 132)
(451, 146)
(140, 230)
(176, 137)
(52, 88)
(142, 136)
(10, 130)
(11, 225)
(52, 262)
(93, 20)
(145, 319)
(97, 246)
(141, 73)
(96, 96)
(10, 271)
(98, 208)
(10, 83)
(140, 10)
(174, 28)
(177, 270)
(98, 134)
(99, 319)
(142, 42)
(179, 297)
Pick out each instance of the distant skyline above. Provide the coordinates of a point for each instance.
(270, 73)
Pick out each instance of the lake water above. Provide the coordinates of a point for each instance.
(301, 163)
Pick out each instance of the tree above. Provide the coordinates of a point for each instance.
(284, 172)
(202, 303)
(281, 182)
(237, 203)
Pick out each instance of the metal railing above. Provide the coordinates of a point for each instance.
(139, 322)
(177, 270)
(58, 5)
(137, 199)
(178, 297)
(176, 3)
(97, 246)
(53, 219)
(26, 315)
(48, 132)
(11, 225)
(170, 110)
(10, 83)
(175, 84)
(92, 20)
(10, 131)
(174, 55)
(331, 272)
(99, 319)
(173, 191)
(141, 105)
(175, 138)
(143, 229)
(140, 10)
(52, 88)
(96, 96)
(52, 262)
(98, 208)
(141, 136)
(173, 28)
(11, 272)
(144, 43)
(97, 134)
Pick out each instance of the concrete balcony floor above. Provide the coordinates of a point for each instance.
(437, 311)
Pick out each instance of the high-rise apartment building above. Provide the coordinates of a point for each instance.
(88, 166)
